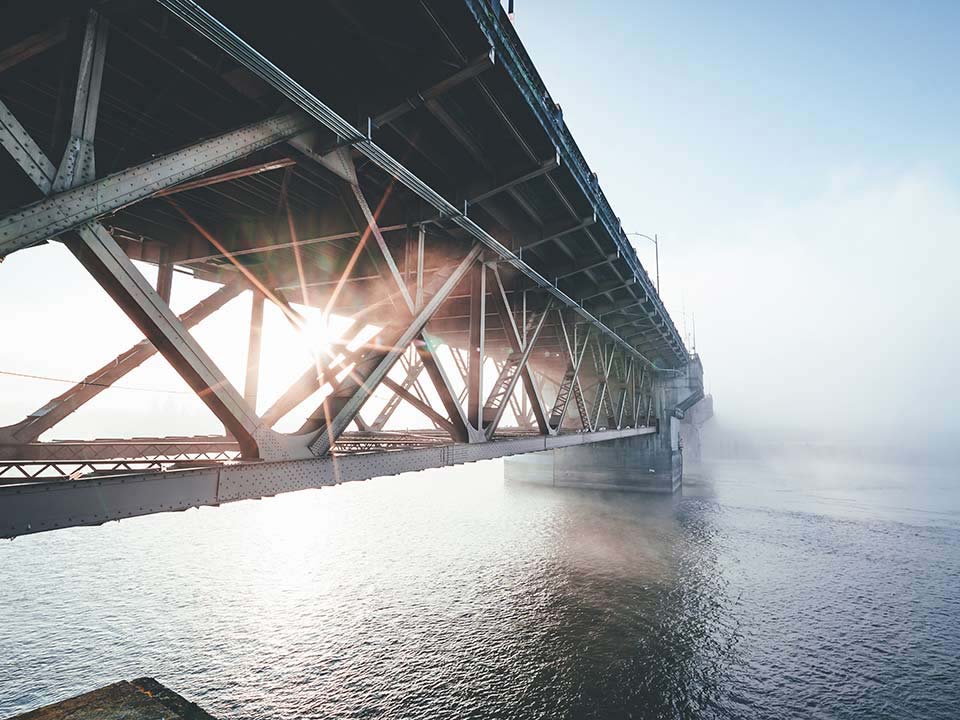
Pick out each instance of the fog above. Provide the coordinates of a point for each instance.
(799, 168)
(839, 314)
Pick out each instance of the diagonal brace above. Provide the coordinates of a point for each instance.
(74, 207)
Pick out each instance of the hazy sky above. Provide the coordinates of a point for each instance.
(798, 160)
(800, 164)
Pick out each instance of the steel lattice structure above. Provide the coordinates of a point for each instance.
(457, 216)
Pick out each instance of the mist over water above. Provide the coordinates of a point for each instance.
(781, 586)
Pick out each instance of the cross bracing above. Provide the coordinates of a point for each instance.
(453, 212)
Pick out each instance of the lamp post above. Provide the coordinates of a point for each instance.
(656, 248)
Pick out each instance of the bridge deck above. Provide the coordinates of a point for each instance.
(36, 506)
(401, 164)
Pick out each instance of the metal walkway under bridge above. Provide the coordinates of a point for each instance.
(398, 163)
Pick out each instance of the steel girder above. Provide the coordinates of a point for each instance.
(252, 384)
(475, 352)
(206, 25)
(45, 417)
(32, 45)
(41, 506)
(77, 206)
(412, 372)
(471, 70)
(78, 163)
(103, 258)
(519, 347)
(570, 383)
(339, 408)
(463, 431)
(514, 367)
(99, 253)
(420, 404)
(164, 448)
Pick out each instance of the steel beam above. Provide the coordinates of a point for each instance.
(412, 371)
(25, 152)
(421, 405)
(74, 207)
(462, 431)
(254, 340)
(604, 364)
(542, 169)
(156, 448)
(99, 253)
(324, 426)
(38, 507)
(356, 201)
(638, 394)
(205, 24)
(559, 233)
(421, 239)
(570, 385)
(109, 265)
(78, 164)
(515, 367)
(165, 275)
(410, 380)
(44, 418)
(475, 355)
(502, 305)
(471, 70)
(248, 171)
(622, 401)
(33, 45)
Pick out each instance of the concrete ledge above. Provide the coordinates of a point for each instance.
(142, 699)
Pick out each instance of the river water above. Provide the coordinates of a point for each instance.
(788, 589)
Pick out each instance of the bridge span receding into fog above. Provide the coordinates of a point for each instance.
(398, 164)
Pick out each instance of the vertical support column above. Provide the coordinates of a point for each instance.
(461, 425)
(165, 276)
(252, 384)
(478, 315)
(78, 164)
(421, 237)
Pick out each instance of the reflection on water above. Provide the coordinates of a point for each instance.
(765, 592)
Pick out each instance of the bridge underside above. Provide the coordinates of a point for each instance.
(400, 165)
(37, 507)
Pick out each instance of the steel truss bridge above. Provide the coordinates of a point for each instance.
(398, 163)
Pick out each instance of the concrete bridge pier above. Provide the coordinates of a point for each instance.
(642, 463)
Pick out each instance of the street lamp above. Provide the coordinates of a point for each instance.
(656, 247)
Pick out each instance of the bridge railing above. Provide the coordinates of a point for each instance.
(503, 37)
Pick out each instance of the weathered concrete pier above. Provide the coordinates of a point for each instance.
(643, 463)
